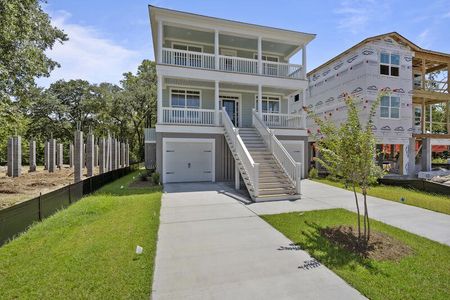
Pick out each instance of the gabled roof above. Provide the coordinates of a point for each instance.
(394, 35)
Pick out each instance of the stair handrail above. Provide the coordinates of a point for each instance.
(250, 166)
(292, 168)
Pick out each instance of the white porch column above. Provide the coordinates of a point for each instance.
(259, 55)
(216, 48)
(160, 41)
(260, 100)
(304, 62)
(216, 102)
(160, 98)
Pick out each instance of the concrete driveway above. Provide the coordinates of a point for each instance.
(432, 225)
(212, 246)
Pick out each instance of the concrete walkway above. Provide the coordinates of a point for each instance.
(432, 225)
(212, 246)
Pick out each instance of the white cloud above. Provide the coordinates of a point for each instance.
(87, 55)
(424, 39)
(355, 16)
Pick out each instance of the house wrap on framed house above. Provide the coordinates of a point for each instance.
(404, 130)
(226, 92)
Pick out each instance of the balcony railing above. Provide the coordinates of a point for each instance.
(238, 64)
(277, 69)
(431, 85)
(243, 65)
(188, 58)
(275, 120)
(150, 135)
(188, 116)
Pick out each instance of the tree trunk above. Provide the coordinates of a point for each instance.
(366, 212)
(357, 209)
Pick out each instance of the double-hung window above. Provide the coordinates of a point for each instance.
(189, 58)
(389, 64)
(270, 104)
(390, 107)
(184, 98)
(268, 67)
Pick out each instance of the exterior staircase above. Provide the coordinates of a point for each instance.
(273, 182)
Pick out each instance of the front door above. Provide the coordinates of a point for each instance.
(231, 107)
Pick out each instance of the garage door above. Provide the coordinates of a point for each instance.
(296, 149)
(188, 161)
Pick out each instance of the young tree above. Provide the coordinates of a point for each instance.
(347, 151)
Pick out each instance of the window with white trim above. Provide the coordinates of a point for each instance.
(390, 107)
(269, 68)
(270, 104)
(187, 59)
(186, 47)
(184, 98)
(389, 64)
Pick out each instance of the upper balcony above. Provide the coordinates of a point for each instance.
(193, 41)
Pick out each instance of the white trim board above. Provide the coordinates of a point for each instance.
(188, 140)
(189, 129)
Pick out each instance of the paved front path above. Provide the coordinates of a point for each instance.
(423, 222)
(211, 246)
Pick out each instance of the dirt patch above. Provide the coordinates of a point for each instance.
(380, 247)
(29, 185)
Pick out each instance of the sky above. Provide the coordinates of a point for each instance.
(109, 38)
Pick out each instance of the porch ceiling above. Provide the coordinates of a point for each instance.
(225, 40)
(225, 85)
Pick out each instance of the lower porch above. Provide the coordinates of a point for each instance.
(195, 102)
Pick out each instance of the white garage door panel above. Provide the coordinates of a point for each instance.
(296, 150)
(188, 161)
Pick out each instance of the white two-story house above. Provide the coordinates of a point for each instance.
(415, 83)
(226, 96)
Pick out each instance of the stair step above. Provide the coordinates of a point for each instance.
(279, 197)
(264, 192)
(267, 185)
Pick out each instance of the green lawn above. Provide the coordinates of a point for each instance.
(439, 203)
(422, 275)
(87, 251)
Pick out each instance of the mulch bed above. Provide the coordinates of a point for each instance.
(380, 246)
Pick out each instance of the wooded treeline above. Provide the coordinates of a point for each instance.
(35, 112)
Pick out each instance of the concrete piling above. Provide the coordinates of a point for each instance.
(59, 155)
(127, 155)
(32, 157)
(102, 155)
(78, 155)
(14, 156)
(113, 154)
(71, 155)
(96, 155)
(52, 156)
(90, 155)
(46, 154)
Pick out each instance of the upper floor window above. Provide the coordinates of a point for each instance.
(390, 107)
(187, 47)
(185, 58)
(270, 104)
(389, 64)
(185, 98)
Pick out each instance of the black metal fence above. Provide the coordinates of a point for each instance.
(17, 218)
(418, 184)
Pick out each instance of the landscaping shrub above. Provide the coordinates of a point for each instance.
(313, 173)
(155, 178)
